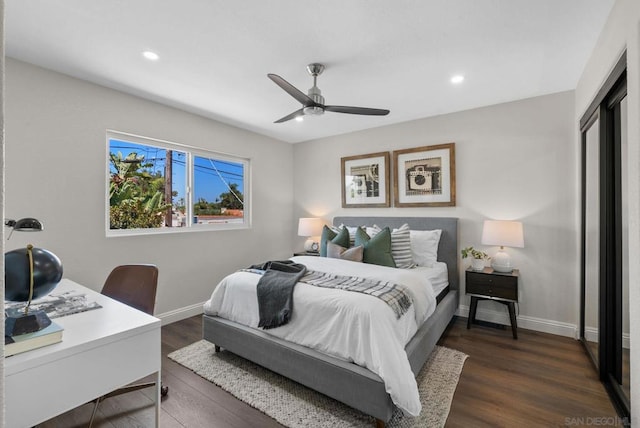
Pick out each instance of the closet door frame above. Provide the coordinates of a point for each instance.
(606, 108)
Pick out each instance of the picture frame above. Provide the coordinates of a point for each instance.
(425, 176)
(365, 181)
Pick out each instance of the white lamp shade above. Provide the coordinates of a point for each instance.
(309, 227)
(503, 233)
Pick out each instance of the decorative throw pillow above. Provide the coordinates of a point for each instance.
(424, 246)
(341, 238)
(377, 250)
(336, 251)
(400, 245)
(352, 233)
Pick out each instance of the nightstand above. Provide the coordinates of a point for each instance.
(500, 287)
(307, 253)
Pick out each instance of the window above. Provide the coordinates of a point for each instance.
(156, 186)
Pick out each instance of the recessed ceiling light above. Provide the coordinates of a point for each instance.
(299, 118)
(458, 78)
(152, 56)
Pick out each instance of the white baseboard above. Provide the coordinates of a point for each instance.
(529, 323)
(591, 334)
(181, 313)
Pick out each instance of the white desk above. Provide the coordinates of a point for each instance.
(101, 350)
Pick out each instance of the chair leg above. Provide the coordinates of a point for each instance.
(127, 389)
(95, 410)
(164, 391)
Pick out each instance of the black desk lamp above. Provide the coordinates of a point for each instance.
(29, 273)
(24, 225)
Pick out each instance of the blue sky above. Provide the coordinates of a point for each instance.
(210, 175)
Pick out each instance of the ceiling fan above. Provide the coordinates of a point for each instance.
(313, 103)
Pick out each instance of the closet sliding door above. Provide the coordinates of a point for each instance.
(625, 346)
(591, 315)
(604, 324)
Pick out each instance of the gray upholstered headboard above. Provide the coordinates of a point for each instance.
(448, 248)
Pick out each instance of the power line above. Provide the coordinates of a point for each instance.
(230, 174)
(225, 183)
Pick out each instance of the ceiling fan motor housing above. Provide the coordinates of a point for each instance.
(315, 94)
(313, 110)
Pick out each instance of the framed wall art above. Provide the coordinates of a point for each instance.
(365, 181)
(425, 176)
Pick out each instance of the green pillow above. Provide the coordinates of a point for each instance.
(341, 238)
(377, 250)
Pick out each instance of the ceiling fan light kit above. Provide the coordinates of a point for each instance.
(313, 102)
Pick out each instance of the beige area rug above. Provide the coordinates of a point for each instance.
(295, 405)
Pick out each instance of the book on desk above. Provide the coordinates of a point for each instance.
(55, 305)
(26, 342)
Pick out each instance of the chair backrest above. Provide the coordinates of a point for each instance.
(133, 285)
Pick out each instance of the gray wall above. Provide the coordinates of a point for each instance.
(55, 171)
(622, 32)
(514, 161)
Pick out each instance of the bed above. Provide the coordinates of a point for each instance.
(342, 380)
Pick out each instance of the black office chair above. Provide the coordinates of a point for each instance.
(135, 286)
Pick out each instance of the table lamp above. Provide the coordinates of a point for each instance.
(311, 228)
(505, 234)
(29, 273)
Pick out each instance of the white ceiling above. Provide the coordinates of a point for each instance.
(398, 55)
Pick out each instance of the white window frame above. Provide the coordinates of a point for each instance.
(190, 152)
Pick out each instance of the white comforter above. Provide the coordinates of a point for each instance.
(352, 326)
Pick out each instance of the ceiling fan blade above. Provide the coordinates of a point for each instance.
(291, 116)
(291, 90)
(357, 110)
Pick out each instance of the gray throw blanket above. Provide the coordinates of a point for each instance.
(275, 290)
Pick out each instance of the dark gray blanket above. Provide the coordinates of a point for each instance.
(275, 290)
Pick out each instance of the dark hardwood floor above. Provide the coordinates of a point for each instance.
(539, 380)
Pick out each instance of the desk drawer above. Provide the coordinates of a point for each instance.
(503, 287)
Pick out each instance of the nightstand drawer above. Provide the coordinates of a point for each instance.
(503, 287)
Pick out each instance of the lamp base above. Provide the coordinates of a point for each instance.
(311, 246)
(501, 262)
(17, 322)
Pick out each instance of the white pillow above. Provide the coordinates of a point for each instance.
(400, 245)
(424, 246)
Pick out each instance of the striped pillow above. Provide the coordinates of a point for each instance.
(400, 245)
